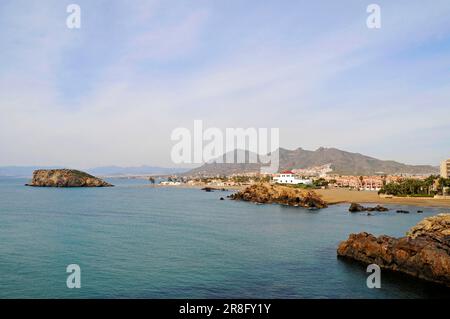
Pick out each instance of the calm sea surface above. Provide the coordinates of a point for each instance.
(137, 241)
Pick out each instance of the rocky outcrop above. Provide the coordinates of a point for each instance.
(436, 228)
(423, 253)
(356, 208)
(265, 193)
(65, 178)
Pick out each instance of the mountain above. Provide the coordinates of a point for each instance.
(27, 171)
(342, 162)
(223, 168)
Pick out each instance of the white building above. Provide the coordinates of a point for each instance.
(288, 177)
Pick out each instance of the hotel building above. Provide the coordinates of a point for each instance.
(289, 177)
(445, 169)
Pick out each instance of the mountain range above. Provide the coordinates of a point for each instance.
(342, 162)
(27, 171)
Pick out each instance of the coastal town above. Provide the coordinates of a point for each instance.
(225, 159)
(321, 177)
(289, 188)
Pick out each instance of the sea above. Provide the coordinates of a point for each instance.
(135, 240)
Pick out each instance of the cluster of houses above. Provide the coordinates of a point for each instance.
(293, 177)
(366, 183)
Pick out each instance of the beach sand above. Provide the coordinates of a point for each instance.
(336, 196)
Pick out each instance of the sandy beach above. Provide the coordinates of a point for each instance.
(336, 196)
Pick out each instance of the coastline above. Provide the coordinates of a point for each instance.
(343, 196)
(218, 188)
(340, 196)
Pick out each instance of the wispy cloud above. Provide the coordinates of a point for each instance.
(111, 92)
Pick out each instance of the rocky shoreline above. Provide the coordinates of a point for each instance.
(423, 253)
(266, 193)
(65, 178)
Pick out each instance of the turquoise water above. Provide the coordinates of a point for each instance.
(138, 241)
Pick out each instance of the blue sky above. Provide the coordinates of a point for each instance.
(111, 92)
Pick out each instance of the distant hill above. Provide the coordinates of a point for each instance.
(139, 170)
(27, 171)
(342, 162)
(214, 168)
(21, 171)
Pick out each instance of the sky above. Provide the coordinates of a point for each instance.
(111, 92)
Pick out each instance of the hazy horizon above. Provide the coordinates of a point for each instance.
(181, 166)
(111, 92)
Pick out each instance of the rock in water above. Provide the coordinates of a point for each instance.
(357, 208)
(65, 178)
(424, 252)
(265, 193)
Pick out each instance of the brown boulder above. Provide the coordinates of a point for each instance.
(424, 253)
(265, 193)
(356, 208)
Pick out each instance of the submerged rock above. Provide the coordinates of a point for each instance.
(424, 252)
(356, 208)
(65, 178)
(266, 193)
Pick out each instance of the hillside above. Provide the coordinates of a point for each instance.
(342, 162)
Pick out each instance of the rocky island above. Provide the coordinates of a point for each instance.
(265, 193)
(423, 253)
(65, 178)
